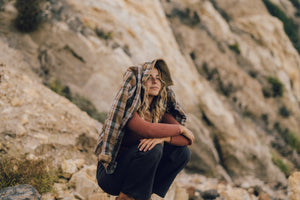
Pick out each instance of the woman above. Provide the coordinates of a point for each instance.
(143, 143)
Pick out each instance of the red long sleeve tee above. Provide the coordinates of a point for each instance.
(137, 128)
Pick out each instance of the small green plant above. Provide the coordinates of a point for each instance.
(193, 55)
(15, 171)
(235, 48)
(29, 15)
(253, 73)
(186, 16)
(103, 34)
(81, 102)
(277, 86)
(290, 137)
(58, 87)
(284, 112)
(289, 26)
(225, 89)
(281, 164)
(87, 106)
(210, 73)
(293, 140)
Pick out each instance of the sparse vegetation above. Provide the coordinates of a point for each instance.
(290, 27)
(290, 137)
(186, 17)
(226, 89)
(284, 112)
(253, 73)
(284, 166)
(276, 88)
(210, 74)
(267, 92)
(85, 143)
(29, 15)
(235, 48)
(103, 34)
(83, 103)
(193, 55)
(293, 140)
(87, 106)
(15, 171)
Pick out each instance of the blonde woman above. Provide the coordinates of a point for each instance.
(143, 142)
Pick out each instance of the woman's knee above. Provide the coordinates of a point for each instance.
(107, 182)
(154, 154)
(186, 154)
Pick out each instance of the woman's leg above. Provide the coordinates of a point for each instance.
(174, 159)
(109, 183)
(141, 171)
(134, 175)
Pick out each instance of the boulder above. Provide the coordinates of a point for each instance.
(84, 182)
(294, 186)
(20, 192)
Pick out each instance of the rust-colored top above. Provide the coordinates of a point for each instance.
(138, 128)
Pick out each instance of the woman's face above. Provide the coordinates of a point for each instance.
(153, 83)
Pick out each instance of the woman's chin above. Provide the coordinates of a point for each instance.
(153, 94)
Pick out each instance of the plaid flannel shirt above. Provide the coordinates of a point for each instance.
(126, 102)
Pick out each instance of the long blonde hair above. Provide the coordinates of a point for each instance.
(158, 105)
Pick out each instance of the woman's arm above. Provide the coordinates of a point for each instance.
(152, 130)
(178, 140)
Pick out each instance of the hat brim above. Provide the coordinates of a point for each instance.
(164, 69)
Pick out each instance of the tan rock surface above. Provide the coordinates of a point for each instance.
(33, 119)
(294, 186)
(220, 53)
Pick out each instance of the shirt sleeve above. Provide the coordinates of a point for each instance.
(178, 140)
(151, 130)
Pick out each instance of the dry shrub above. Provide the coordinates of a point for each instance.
(15, 171)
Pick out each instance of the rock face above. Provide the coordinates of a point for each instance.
(23, 191)
(294, 186)
(235, 70)
(35, 120)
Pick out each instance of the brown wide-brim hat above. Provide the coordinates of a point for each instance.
(162, 66)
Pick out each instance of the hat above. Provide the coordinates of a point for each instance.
(162, 66)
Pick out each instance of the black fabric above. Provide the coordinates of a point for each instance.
(139, 174)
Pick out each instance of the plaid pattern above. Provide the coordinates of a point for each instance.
(127, 102)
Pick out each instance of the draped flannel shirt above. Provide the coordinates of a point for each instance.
(127, 102)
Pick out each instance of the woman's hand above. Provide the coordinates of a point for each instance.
(187, 133)
(148, 144)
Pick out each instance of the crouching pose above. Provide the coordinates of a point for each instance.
(143, 143)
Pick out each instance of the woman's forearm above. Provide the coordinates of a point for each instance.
(179, 140)
(152, 130)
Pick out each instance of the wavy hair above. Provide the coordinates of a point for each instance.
(157, 107)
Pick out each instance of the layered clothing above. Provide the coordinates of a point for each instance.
(125, 104)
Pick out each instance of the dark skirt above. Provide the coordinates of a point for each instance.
(140, 174)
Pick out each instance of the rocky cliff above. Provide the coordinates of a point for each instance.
(235, 65)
